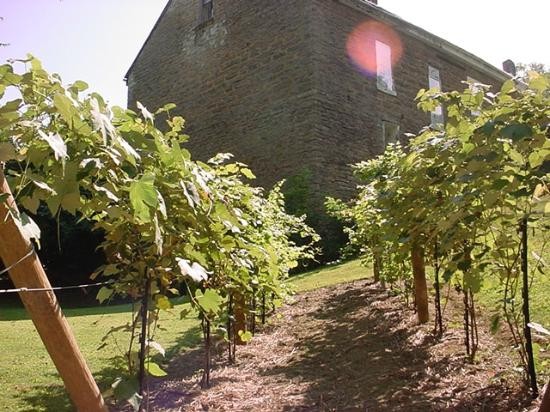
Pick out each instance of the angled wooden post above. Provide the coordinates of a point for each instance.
(44, 309)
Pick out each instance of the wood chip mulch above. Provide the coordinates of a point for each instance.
(350, 347)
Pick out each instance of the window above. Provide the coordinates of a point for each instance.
(206, 11)
(390, 132)
(434, 82)
(384, 75)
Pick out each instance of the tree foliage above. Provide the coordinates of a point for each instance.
(461, 191)
(168, 220)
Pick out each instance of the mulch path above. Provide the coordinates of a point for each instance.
(350, 347)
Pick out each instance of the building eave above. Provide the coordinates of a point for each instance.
(446, 47)
(168, 4)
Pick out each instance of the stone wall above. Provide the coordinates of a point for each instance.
(351, 106)
(242, 81)
(271, 82)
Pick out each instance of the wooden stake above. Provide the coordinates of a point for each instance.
(420, 286)
(239, 308)
(44, 310)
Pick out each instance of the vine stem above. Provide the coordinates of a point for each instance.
(143, 336)
(438, 316)
(526, 315)
(466, 322)
(230, 330)
(205, 323)
(263, 307)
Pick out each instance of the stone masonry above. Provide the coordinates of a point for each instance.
(271, 82)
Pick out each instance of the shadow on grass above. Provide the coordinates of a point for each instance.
(12, 312)
(46, 398)
(54, 398)
(19, 313)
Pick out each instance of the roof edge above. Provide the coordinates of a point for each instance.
(425, 36)
(168, 4)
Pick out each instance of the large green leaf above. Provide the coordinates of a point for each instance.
(56, 143)
(143, 197)
(65, 107)
(210, 301)
(154, 369)
(517, 131)
(127, 390)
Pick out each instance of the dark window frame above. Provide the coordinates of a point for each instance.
(206, 12)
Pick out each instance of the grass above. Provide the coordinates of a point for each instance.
(31, 383)
(330, 275)
(29, 380)
(27, 375)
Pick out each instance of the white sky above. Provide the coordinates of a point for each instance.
(97, 40)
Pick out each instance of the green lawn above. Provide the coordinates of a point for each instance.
(29, 380)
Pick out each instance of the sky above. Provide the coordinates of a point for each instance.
(97, 40)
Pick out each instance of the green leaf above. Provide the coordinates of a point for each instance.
(507, 87)
(156, 346)
(517, 131)
(539, 82)
(7, 152)
(28, 227)
(71, 202)
(245, 336)
(154, 370)
(248, 173)
(56, 143)
(210, 301)
(44, 186)
(163, 303)
(516, 156)
(143, 196)
(491, 198)
(536, 159)
(80, 86)
(127, 390)
(104, 294)
(65, 108)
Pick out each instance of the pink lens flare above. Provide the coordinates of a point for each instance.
(361, 45)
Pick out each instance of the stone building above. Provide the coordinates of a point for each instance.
(297, 89)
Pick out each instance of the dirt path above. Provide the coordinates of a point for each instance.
(350, 347)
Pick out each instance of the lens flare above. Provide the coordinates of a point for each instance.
(361, 45)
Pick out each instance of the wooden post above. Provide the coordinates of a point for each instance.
(420, 286)
(44, 310)
(240, 317)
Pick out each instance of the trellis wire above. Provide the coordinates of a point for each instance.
(25, 290)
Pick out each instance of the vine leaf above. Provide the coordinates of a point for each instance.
(157, 346)
(154, 369)
(56, 143)
(65, 108)
(28, 227)
(143, 196)
(194, 271)
(145, 113)
(210, 301)
(127, 390)
(104, 294)
(7, 151)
